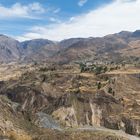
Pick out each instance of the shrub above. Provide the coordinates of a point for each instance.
(82, 67)
(99, 85)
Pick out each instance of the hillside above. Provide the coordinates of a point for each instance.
(45, 99)
(38, 49)
(123, 46)
(113, 47)
(76, 89)
(9, 49)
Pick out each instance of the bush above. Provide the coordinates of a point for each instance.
(98, 70)
(82, 67)
(99, 85)
(110, 90)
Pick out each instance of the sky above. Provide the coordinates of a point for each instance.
(63, 19)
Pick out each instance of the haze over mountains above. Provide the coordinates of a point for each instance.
(121, 44)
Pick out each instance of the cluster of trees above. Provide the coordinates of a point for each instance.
(97, 69)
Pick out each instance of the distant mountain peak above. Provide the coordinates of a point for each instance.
(136, 33)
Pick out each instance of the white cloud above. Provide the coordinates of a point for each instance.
(126, 0)
(56, 10)
(36, 7)
(55, 20)
(82, 2)
(111, 18)
(21, 11)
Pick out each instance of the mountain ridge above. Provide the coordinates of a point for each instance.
(74, 49)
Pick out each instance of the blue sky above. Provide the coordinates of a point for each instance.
(61, 19)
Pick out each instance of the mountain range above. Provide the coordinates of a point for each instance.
(75, 89)
(110, 47)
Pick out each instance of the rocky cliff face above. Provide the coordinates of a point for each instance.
(75, 99)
